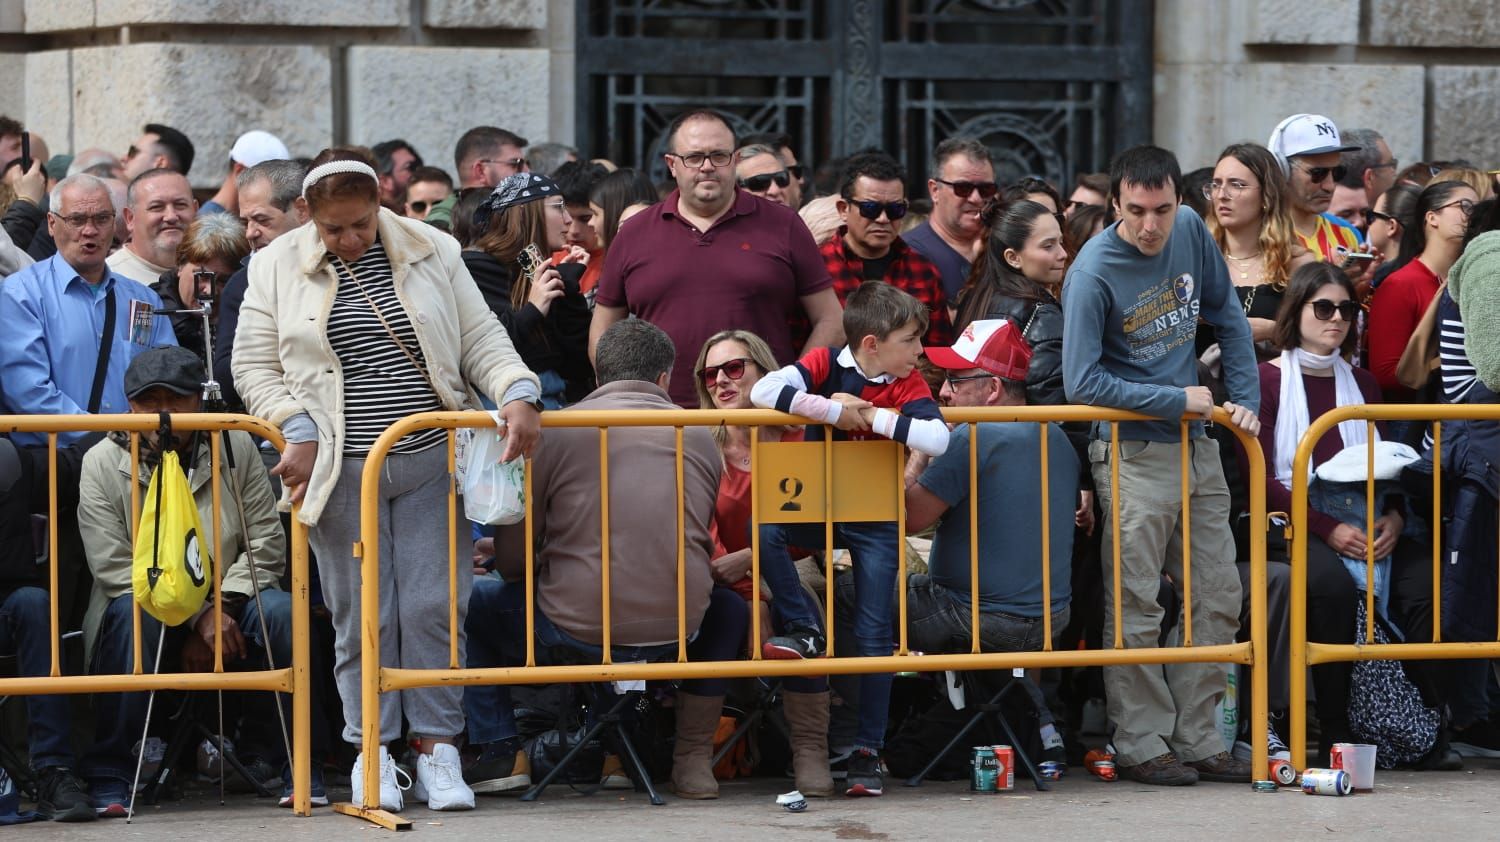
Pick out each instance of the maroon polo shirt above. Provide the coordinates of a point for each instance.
(747, 271)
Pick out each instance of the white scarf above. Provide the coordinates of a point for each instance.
(1291, 416)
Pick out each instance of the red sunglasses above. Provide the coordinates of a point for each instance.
(733, 369)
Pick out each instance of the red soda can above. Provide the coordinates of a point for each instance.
(1282, 772)
(1101, 764)
(1005, 768)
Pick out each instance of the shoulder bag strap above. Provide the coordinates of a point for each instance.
(374, 308)
(106, 341)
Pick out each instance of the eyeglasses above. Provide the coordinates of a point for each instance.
(560, 206)
(518, 164)
(871, 209)
(1465, 206)
(1383, 217)
(1391, 163)
(77, 221)
(420, 205)
(733, 369)
(1074, 204)
(1323, 310)
(796, 171)
(954, 381)
(1317, 174)
(964, 189)
(1231, 188)
(694, 160)
(762, 183)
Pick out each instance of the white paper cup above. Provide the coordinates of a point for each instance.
(1358, 759)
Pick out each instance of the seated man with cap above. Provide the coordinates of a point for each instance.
(256, 615)
(987, 367)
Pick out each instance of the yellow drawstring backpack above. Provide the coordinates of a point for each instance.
(172, 567)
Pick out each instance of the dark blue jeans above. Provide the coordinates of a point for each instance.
(876, 559)
(496, 628)
(120, 716)
(26, 630)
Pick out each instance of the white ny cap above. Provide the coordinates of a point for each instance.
(1306, 134)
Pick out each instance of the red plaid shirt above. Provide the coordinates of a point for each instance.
(909, 271)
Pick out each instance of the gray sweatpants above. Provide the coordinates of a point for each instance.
(1158, 708)
(413, 590)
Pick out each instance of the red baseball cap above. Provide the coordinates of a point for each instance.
(991, 344)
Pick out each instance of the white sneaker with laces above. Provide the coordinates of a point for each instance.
(390, 787)
(440, 780)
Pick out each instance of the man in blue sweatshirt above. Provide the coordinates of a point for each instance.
(1131, 306)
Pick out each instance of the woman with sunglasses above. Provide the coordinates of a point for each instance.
(522, 222)
(728, 367)
(1430, 245)
(1250, 221)
(1315, 336)
(1389, 219)
(210, 252)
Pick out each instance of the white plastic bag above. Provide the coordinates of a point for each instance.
(494, 491)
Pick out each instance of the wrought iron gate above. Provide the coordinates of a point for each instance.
(1053, 86)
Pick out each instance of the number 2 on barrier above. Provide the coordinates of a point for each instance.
(789, 480)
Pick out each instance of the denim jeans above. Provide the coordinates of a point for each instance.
(496, 628)
(876, 559)
(937, 621)
(120, 716)
(25, 629)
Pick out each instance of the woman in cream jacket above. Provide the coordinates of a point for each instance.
(350, 323)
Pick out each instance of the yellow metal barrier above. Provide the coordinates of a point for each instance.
(1305, 653)
(807, 489)
(291, 678)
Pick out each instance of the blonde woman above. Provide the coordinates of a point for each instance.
(1252, 224)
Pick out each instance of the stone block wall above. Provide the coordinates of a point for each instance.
(1426, 75)
(92, 72)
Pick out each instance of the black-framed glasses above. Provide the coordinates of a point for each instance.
(1323, 310)
(954, 381)
(1465, 206)
(965, 189)
(761, 183)
(694, 160)
(871, 209)
(421, 205)
(77, 221)
(733, 369)
(1392, 163)
(1383, 217)
(1231, 188)
(796, 170)
(1317, 174)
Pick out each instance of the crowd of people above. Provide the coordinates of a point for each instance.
(336, 295)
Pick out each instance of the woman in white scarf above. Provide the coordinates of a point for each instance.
(1314, 330)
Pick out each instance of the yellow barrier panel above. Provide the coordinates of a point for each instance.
(290, 678)
(1305, 653)
(787, 487)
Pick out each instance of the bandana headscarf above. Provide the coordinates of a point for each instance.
(515, 190)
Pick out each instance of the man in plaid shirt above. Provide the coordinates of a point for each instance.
(867, 248)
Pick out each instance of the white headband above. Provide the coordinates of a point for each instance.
(323, 171)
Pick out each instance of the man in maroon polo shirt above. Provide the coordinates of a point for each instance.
(872, 199)
(710, 257)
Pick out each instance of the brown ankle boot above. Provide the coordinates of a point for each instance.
(693, 752)
(807, 718)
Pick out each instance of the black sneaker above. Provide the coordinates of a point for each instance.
(501, 767)
(795, 644)
(1481, 739)
(838, 763)
(865, 777)
(62, 797)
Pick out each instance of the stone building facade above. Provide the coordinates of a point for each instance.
(91, 72)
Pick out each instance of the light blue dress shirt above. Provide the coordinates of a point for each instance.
(51, 321)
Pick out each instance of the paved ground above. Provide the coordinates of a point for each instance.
(1427, 804)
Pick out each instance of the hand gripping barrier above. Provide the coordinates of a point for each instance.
(292, 678)
(826, 483)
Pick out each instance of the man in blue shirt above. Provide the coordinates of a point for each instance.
(987, 367)
(1132, 301)
(55, 311)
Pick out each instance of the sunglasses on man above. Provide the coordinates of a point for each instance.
(761, 183)
(871, 209)
(1316, 175)
(965, 189)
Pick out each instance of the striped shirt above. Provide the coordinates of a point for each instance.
(381, 386)
(1457, 371)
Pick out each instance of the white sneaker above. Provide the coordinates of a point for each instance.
(440, 780)
(390, 787)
